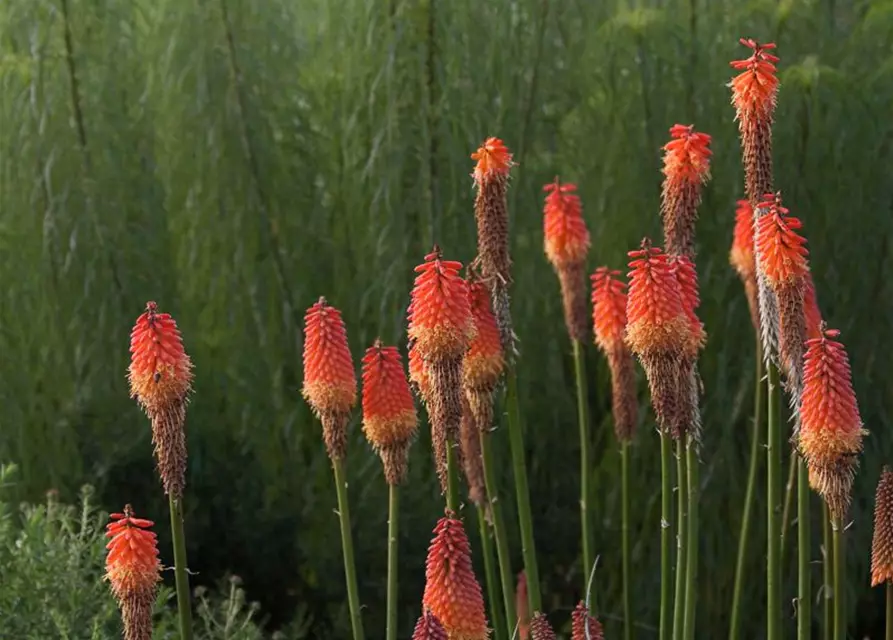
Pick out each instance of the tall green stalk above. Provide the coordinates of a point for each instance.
(681, 544)
(773, 508)
(184, 608)
(804, 590)
(827, 574)
(789, 493)
(750, 493)
(350, 572)
(691, 559)
(502, 546)
(492, 580)
(393, 543)
(624, 497)
(583, 420)
(519, 466)
(839, 579)
(452, 496)
(666, 532)
(889, 633)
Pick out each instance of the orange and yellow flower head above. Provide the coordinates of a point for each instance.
(686, 169)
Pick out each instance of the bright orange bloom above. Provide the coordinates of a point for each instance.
(429, 628)
(742, 254)
(493, 159)
(566, 236)
(811, 312)
(452, 592)
(389, 416)
(540, 629)
(440, 315)
(686, 157)
(691, 300)
(580, 619)
(160, 372)
(882, 541)
(755, 89)
(484, 361)
(132, 565)
(782, 252)
(330, 384)
(608, 309)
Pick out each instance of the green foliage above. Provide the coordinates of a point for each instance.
(234, 160)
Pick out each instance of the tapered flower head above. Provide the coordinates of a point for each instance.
(484, 361)
(540, 629)
(440, 315)
(389, 416)
(580, 619)
(133, 571)
(330, 384)
(452, 592)
(882, 542)
(831, 428)
(782, 251)
(565, 233)
(608, 309)
(755, 89)
(160, 372)
(742, 257)
(429, 628)
(691, 299)
(494, 160)
(686, 169)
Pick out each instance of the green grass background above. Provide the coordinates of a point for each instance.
(235, 160)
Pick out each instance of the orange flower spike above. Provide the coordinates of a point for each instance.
(691, 300)
(429, 628)
(882, 540)
(580, 619)
(452, 592)
(160, 372)
(686, 157)
(493, 159)
(755, 89)
(781, 249)
(484, 361)
(440, 322)
(566, 236)
(742, 257)
(609, 302)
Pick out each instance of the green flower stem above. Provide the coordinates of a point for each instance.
(789, 492)
(773, 508)
(666, 532)
(624, 483)
(502, 546)
(583, 420)
(749, 495)
(516, 442)
(691, 559)
(837, 533)
(681, 545)
(184, 608)
(496, 612)
(889, 633)
(827, 574)
(393, 543)
(804, 590)
(350, 573)
(452, 497)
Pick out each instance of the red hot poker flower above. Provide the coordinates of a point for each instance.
(566, 236)
(484, 361)
(132, 569)
(742, 254)
(691, 300)
(782, 252)
(429, 628)
(540, 629)
(754, 90)
(493, 160)
(452, 592)
(882, 541)
(686, 168)
(608, 309)
(580, 619)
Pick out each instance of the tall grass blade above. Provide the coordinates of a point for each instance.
(585, 464)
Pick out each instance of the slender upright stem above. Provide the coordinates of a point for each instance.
(452, 497)
(889, 633)
(750, 493)
(839, 579)
(627, 575)
(789, 492)
(496, 612)
(773, 508)
(681, 544)
(519, 465)
(350, 572)
(583, 420)
(393, 542)
(827, 574)
(184, 608)
(502, 546)
(691, 559)
(666, 506)
(804, 590)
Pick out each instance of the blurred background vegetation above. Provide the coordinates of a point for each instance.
(234, 160)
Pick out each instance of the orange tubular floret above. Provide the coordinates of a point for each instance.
(691, 299)
(330, 384)
(782, 251)
(742, 254)
(754, 90)
(132, 565)
(484, 361)
(493, 159)
(389, 416)
(565, 233)
(608, 309)
(440, 322)
(160, 372)
(687, 155)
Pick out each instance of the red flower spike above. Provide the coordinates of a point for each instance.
(882, 540)
(133, 571)
(782, 252)
(691, 300)
(686, 156)
(566, 236)
(484, 361)
(330, 384)
(608, 309)
(452, 592)
(742, 257)
(580, 619)
(429, 628)
(493, 159)
(540, 629)
(755, 89)
(830, 425)
(389, 416)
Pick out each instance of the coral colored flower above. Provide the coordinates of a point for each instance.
(608, 309)
(686, 157)
(484, 361)
(418, 375)
(160, 372)
(540, 629)
(782, 252)
(882, 541)
(493, 159)
(580, 620)
(429, 628)
(811, 313)
(565, 233)
(831, 431)
(440, 318)
(132, 565)
(452, 592)
(742, 257)
(755, 89)
(521, 606)
(691, 300)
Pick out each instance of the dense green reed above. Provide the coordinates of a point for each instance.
(234, 160)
